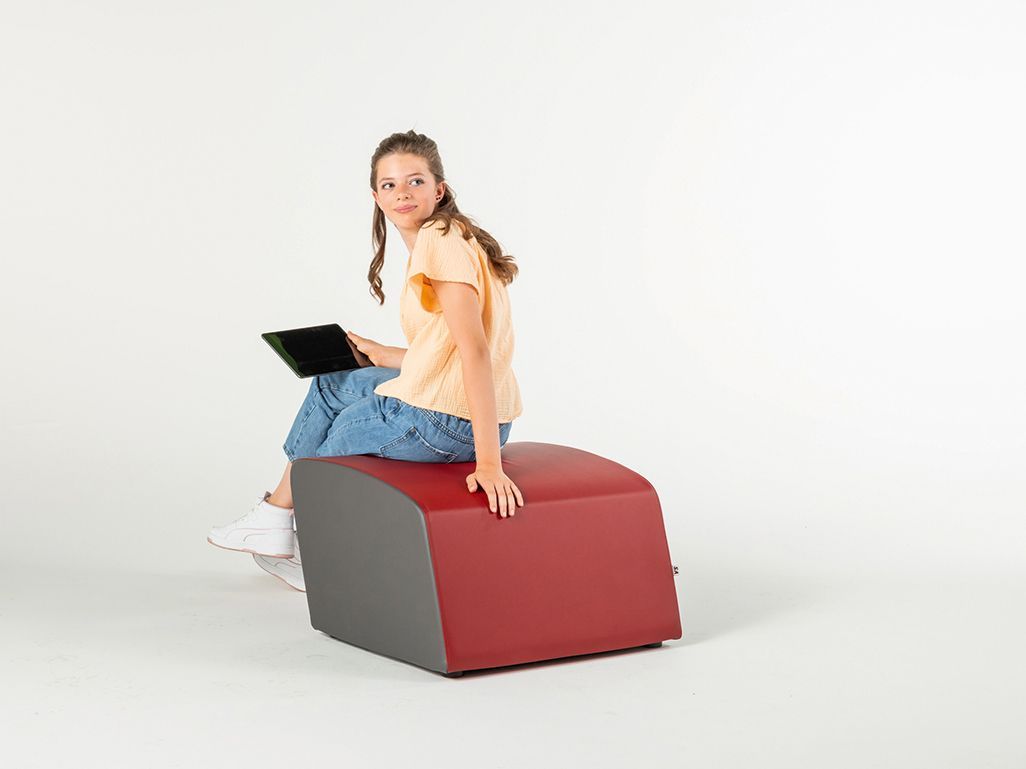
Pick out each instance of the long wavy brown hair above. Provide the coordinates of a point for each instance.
(446, 211)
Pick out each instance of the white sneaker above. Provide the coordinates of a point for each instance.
(288, 570)
(264, 530)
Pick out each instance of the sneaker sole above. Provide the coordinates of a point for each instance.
(247, 550)
(280, 578)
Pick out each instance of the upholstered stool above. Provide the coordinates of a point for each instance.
(399, 558)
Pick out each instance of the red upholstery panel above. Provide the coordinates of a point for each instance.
(583, 567)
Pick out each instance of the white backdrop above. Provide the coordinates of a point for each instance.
(771, 258)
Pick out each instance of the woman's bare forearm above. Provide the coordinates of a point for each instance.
(480, 389)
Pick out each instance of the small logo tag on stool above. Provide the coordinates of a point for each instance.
(676, 571)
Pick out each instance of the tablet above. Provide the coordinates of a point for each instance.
(316, 350)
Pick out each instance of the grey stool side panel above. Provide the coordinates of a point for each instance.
(366, 563)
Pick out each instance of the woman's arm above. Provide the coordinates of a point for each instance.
(462, 313)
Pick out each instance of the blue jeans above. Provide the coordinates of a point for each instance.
(342, 416)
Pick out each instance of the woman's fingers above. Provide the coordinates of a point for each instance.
(361, 344)
(519, 496)
(507, 500)
(369, 348)
(503, 501)
(497, 499)
(503, 498)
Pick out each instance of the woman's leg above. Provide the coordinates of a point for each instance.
(376, 424)
(328, 395)
(282, 495)
(268, 528)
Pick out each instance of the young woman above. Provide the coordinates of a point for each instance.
(450, 397)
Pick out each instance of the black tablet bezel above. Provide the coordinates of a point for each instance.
(325, 363)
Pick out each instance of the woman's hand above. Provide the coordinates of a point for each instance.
(499, 488)
(379, 354)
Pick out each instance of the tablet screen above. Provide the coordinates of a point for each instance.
(316, 350)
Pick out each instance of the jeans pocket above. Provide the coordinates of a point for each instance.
(411, 447)
(456, 428)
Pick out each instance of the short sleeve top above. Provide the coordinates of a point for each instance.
(431, 376)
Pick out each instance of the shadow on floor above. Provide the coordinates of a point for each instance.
(241, 616)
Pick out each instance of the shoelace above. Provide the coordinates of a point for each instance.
(252, 510)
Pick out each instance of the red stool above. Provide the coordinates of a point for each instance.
(399, 558)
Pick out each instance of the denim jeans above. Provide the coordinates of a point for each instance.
(342, 416)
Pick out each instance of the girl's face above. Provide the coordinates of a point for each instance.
(406, 191)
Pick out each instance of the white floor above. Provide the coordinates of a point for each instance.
(122, 665)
